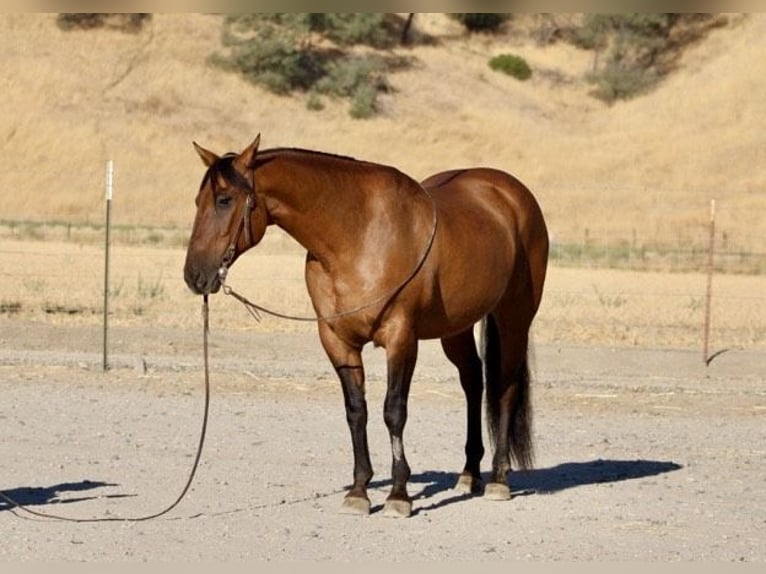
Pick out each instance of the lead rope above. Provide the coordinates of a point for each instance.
(15, 506)
(255, 310)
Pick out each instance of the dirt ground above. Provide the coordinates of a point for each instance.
(641, 454)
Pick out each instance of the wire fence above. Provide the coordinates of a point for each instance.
(591, 249)
(679, 254)
(589, 298)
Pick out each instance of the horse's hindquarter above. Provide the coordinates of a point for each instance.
(489, 224)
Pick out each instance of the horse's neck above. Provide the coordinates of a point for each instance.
(314, 200)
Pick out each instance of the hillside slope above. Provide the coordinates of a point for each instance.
(75, 99)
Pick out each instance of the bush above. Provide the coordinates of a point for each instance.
(639, 49)
(272, 56)
(635, 43)
(512, 65)
(131, 23)
(616, 82)
(306, 52)
(347, 29)
(359, 79)
(345, 77)
(314, 101)
(363, 102)
(481, 22)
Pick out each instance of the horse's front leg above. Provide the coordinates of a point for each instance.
(348, 364)
(352, 381)
(401, 357)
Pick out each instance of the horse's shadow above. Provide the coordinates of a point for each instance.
(42, 495)
(432, 483)
(538, 481)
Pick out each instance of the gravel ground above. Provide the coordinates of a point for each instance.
(641, 454)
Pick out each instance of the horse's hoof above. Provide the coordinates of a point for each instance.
(355, 505)
(397, 508)
(497, 491)
(468, 484)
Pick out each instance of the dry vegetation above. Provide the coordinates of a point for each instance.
(81, 97)
(62, 283)
(643, 168)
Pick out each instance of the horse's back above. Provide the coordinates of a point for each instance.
(485, 184)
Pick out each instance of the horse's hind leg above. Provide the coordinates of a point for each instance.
(460, 349)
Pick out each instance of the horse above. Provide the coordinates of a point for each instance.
(392, 261)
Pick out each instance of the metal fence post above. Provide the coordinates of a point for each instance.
(107, 242)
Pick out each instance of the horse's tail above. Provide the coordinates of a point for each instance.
(517, 384)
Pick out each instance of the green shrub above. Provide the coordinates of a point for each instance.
(349, 28)
(617, 81)
(314, 101)
(359, 79)
(634, 51)
(125, 22)
(307, 52)
(512, 65)
(266, 50)
(344, 77)
(363, 102)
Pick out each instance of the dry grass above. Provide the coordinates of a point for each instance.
(63, 282)
(650, 164)
(646, 167)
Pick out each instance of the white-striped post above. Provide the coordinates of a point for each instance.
(107, 243)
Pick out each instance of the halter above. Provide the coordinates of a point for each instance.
(244, 224)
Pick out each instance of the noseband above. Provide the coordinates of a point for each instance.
(244, 225)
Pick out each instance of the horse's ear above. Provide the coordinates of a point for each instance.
(208, 157)
(247, 157)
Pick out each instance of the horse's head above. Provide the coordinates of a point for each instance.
(231, 217)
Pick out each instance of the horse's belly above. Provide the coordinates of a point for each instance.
(446, 327)
(452, 309)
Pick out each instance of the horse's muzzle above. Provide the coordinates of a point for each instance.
(202, 283)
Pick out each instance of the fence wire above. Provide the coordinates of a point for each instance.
(588, 298)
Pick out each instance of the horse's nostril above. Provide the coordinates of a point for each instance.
(195, 280)
(189, 277)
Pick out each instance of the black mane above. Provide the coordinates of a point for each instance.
(224, 166)
(297, 150)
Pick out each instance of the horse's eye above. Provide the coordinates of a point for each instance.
(223, 201)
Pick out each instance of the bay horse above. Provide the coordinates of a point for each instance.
(392, 261)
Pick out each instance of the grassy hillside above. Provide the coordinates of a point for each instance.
(645, 167)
